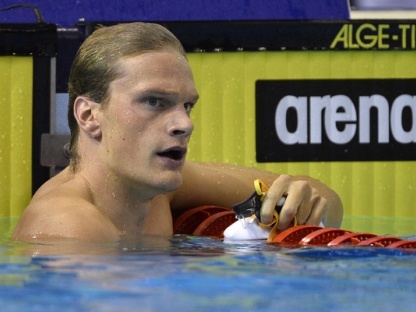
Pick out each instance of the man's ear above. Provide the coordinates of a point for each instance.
(86, 113)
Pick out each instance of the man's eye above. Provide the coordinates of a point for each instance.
(188, 106)
(152, 102)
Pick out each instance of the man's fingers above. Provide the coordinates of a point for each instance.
(318, 212)
(297, 204)
(272, 197)
(302, 201)
(287, 214)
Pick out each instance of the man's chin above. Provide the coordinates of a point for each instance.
(173, 184)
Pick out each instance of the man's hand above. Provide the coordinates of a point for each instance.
(302, 201)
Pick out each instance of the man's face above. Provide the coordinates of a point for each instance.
(146, 125)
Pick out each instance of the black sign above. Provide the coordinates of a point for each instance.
(335, 120)
(289, 35)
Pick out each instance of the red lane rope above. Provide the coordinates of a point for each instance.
(336, 237)
(213, 220)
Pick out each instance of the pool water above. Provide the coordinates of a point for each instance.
(186, 273)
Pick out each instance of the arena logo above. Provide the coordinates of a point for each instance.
(318, 120)
(337, 116)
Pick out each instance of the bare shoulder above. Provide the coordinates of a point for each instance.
(56, 181)
(61, 209)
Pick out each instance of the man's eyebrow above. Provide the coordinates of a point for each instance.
(195, 98)
(165, 92)
(158, 91)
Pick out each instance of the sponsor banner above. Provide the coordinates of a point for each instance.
(379, 35)
(355, 35)
(335, 120)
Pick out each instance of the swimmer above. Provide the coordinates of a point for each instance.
(131, 92)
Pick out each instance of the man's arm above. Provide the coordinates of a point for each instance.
(226, 185)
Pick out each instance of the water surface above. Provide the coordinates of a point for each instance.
(185, 273)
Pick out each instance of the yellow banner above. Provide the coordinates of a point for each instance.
(15, 134)
(225, 120)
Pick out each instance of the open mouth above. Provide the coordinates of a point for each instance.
(173, 153)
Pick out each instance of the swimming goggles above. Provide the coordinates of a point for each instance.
(252, 205)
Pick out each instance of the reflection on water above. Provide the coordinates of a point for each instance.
(184, 273)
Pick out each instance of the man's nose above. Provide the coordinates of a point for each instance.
(181, 123)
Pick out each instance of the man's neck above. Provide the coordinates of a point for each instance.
(127, 207)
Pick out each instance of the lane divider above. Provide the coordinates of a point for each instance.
(212, 220)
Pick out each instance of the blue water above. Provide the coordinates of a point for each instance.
(187, 273)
